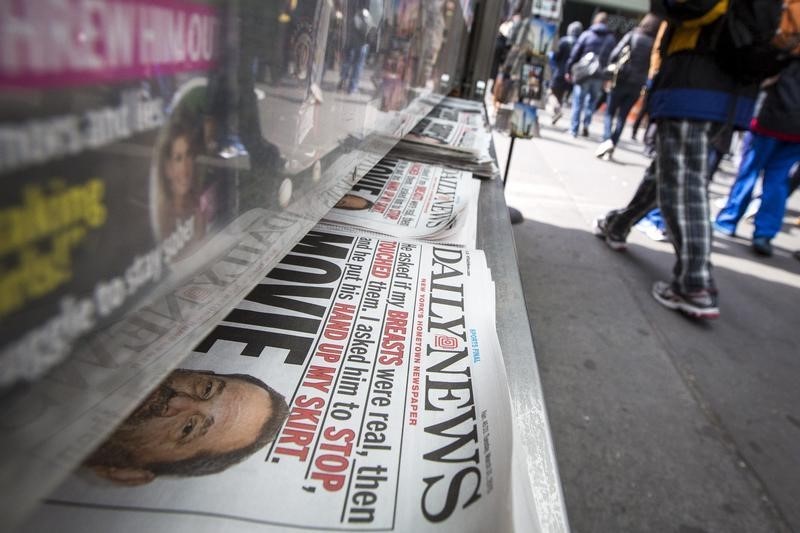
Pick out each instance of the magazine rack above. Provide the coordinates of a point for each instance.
(149, 183)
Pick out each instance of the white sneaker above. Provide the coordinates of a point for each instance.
(651, 230)
(605, 147)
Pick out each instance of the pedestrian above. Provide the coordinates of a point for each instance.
(632, 59)
(560, 87)
(774, 148)
(356, 50)
(585, 67)
(696, 103)
(655, 64)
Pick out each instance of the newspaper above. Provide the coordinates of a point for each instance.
(412, 200)
(483, 166)
(456, 115)
(359, 386)
(455, 136)
(461, 104)
(458, 110)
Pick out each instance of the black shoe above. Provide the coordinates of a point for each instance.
(585, 131)
(698, 304)
(762, 246)
(615, 242)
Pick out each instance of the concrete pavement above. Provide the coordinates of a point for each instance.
(660, 423)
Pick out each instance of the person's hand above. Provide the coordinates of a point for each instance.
(568, 78)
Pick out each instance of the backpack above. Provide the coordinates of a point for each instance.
(743, 42)
(586, 67)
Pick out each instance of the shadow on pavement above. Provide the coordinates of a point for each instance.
(661, 423)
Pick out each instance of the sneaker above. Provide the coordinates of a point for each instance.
(605, 148)
(698, 304)
(615, 242)
(652, 231)
(719, 228)
(762, 246)
(585, 131)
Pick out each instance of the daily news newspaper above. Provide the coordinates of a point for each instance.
(359, 386)
(411, 200)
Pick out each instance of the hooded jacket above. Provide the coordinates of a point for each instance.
(598, 39)
(690, 85)
(634, 72)
(564, 49)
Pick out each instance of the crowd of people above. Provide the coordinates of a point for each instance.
(698, 92)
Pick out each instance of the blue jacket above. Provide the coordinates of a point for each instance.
(690, 84)
(560, 58)
(598, 39)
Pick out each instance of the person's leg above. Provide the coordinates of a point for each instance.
(593, 89)
(557, 91)
(769, 217)
(794, 179)
(625, 102)
(655, 218)
(640, 116)
(361, 58)
(620, 221)
(347, 66)
(611, 109)
(681, 162)
(577, 99)
(754, 158)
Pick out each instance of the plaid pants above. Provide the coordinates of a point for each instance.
(620, 221)
(682, 148)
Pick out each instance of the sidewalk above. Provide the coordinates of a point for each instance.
(660, 423)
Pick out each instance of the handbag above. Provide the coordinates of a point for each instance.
(586, 67)
(614, 69)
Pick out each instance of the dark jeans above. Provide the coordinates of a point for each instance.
(619, 104)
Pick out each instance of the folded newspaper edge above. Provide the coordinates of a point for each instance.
(411, 200)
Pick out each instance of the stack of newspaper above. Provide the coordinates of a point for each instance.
(361, 379)
(453, 134)
(411, 200)
(359, 386)
(457, 110)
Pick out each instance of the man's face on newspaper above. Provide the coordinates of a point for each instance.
(189, 414)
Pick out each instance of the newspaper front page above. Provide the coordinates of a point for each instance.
(453, 135)
(359, 386)
(471, 118)
(412, 200)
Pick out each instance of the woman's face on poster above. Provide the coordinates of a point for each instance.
(180, 167)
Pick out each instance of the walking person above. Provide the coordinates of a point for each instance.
(357, 49)
(589, 56)
(560, 87)
(632, 54)
(695, 103)
(774, 148)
